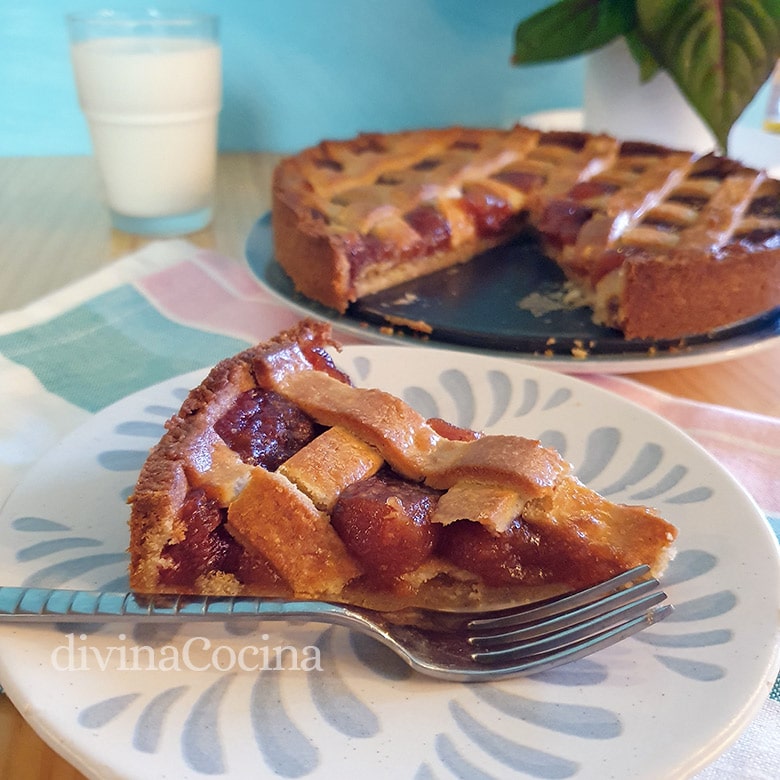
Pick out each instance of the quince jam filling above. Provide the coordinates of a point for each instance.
(432, 226)
(208, 548)
(492, 215)
(384, 521)
(369, 250)
(265, 429)
(523, 554)
(562, 220)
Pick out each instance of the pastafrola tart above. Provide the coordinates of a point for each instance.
(661, 243)
(278, 477)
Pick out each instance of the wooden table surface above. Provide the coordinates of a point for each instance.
(54, 229)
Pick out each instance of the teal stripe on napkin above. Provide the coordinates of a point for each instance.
(111, 346)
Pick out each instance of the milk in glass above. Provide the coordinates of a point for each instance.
(152, 101)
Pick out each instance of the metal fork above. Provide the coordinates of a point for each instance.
(460, 646)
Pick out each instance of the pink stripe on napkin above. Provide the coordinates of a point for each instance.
(213, 293)
(218, 295)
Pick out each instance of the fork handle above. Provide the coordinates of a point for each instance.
(45, 605)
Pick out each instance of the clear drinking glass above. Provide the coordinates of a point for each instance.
(150, 86)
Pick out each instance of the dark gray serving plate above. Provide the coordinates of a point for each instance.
(482, 306)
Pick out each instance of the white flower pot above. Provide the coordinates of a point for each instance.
(616, 102)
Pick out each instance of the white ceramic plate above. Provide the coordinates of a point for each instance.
(173, 700)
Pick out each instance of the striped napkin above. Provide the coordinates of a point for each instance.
(172, 308)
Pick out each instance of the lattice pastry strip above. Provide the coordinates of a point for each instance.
(570, 158)
(282, 523)
(720, 216)
(644, 183)
(399, 187)
(330, 463)
(760, 221)
(345, 165)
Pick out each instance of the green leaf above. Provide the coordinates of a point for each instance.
(571, 27)
(719, 52)
(648, 66)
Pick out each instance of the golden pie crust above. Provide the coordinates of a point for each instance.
(663, 243)
(372, 504)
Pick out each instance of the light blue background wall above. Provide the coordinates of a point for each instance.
(297, 71)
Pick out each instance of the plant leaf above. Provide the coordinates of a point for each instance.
(643, 57)
(571, 27)
(719, 52)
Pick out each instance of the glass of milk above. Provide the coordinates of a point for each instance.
(150, 86)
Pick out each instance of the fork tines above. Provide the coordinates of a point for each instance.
(573, 625)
